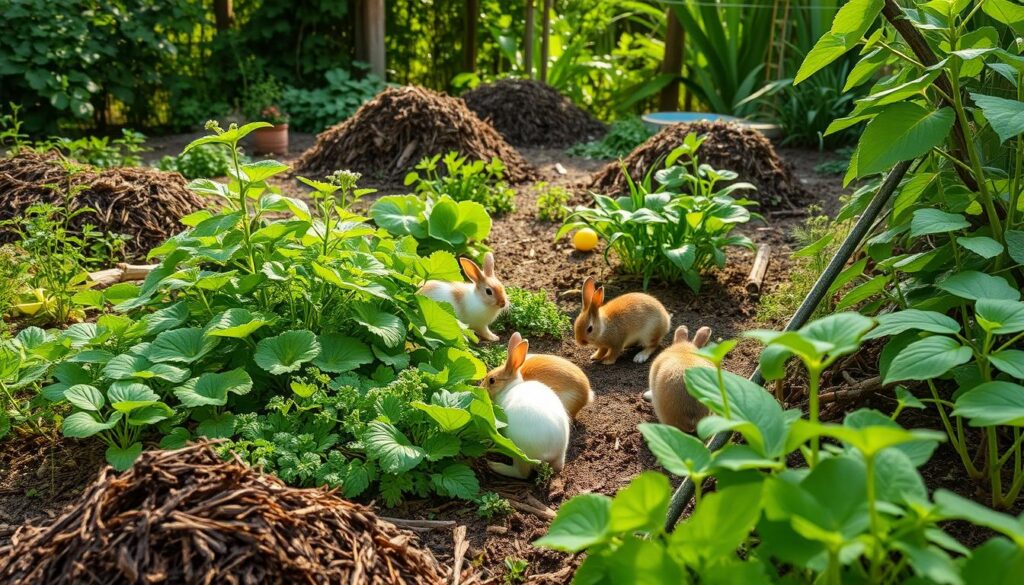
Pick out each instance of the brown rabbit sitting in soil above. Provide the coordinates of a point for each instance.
(630, 319)
(673, 405)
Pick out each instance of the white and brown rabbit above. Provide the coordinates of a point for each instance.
(673, 405)
(564, 377)
(478, 302)
(537, 421)
(630, 319)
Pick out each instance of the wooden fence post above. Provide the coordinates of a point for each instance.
(528, 40)
(375, 14)
(224, 13)
(469, 43)
(672, 63)
(545, 39)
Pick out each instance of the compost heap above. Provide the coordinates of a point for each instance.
(388, 135)
(728, 147)
(187, 516)
(532, 113)
(144, 204)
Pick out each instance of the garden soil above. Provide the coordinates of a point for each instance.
(606, 451)
(144, 204)
(532, 113)
(388, 135)
(728, 147)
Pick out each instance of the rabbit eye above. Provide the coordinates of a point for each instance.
(490, 292)
(491, 381)
(590, 328)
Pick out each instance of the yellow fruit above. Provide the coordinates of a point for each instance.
(585, 240)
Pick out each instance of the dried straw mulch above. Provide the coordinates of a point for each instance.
(142, 203)
(186, 516)
(388, 135)
(728, 147)
(532, 113)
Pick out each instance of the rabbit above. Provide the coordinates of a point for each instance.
(673, 405)
(630, 319)
(564, 377)
(477, 303)
(537, 421)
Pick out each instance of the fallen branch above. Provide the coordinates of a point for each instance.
(420, 524)
(121, 273)
(461, 546)
(545, 513)
(863, 387)
(759, 269)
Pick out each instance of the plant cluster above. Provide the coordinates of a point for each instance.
(858, 512)
(341, 94)
(678, 232)
(532, 314)
(942, 272)
(464, 180)
(209, 160)
(623, 136)
(436, 225)
(552, 202)
(293, 329)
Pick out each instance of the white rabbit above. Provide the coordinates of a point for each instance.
(478, 302)
(537, 421)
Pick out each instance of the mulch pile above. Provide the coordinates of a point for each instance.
(728, 147)
(532, 113)
(388, 135)
(142, 203)
(186, 516)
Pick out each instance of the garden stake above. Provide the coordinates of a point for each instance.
(685, 491)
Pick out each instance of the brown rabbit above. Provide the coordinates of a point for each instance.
(630, 319)
(672, 404)
(564, 377)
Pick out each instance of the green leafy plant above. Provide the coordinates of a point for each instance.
(859, 512)
(441, 224)
(838, 164)
(101, 151)
(515, 570)
(341, 94)
(490, 505)
(532, 314)
(464, 180)
(623, 136)
(552, 201)
(202, 162)
(678, 232)
(13, 279)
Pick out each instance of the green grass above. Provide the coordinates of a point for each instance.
(533, 315)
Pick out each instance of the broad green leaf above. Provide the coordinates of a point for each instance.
(992, 403)
(218, 426)
(679, 453)
(130, 367)
(1015, 245)
(1006, 12)
(236, 323)
(956, 507)
(913, 319)
(456, 481)
(128, 396)
(902, 131)
(181, 345)
(148, 415)
(760, 417)
(439, 323)
(391, 447)
(167, 318)
(935, 221)
(828, 48)
(400, 215)
(719, 525)
(639, 561)
(212, 389)
(1000, 316)
(387, 327)
(927, 358)
(581, 522)
(1005, 116)
(1010, 361)
(448, 418)
(978, 285)
(341, 353)
(85, 397)
(641, 505)
(286, 352)
(122, 458)
(80, 425)
(982, 246)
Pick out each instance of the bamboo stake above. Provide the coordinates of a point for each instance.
(759, 269)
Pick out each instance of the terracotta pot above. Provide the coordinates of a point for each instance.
(271, 140)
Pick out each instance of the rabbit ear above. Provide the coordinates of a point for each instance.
(489, 264)
(513, 341)
(588, 291)
(517, 357)
(473, 271)
(700, 339)
(682, 334)
(598, 298)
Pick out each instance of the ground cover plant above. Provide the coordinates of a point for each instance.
(464, 180)
(622, 137)
(532, 314)
(680, 230)
(859, 511)
(204, 161)
(294, 329)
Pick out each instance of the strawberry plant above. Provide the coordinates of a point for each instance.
(674, 234)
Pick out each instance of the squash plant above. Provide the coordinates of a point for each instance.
(943, 271)
(259, 296)
(858, 512)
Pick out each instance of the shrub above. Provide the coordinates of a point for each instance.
(532, 314)
(313, 110)
(674, 234)
(622, 137)
(463, 180)
(552, 202)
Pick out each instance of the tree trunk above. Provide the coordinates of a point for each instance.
(528, 40)
(672, 63)
(374, 23)
(224, 12)
(545, 39)
(469, 43)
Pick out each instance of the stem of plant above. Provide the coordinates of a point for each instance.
(995, 470)
(869, 462)
(814, 376)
